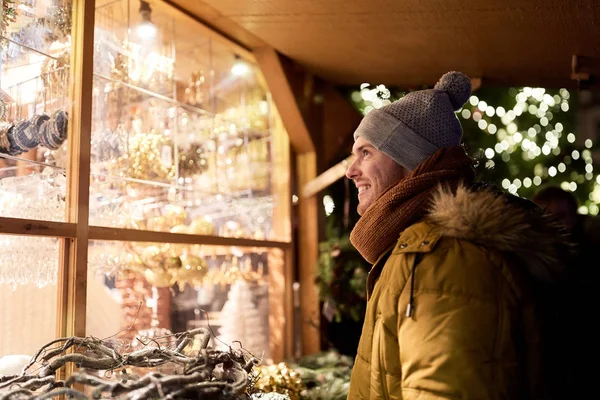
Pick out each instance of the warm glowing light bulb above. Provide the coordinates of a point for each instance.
(239, 68)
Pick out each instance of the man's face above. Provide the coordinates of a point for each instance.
(373, 172)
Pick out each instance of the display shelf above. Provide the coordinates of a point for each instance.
(155, 95)
(29, 162)
(117, 234)
(178, 187)
(109, 191)
(33, 64)
(113, 178)
(28, 48)
(32, 190)
(146, 205)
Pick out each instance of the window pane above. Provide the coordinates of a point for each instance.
(28, 293)
(181, 140)
(34, 81)
(150, 289)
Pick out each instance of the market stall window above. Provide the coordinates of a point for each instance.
(144, 186)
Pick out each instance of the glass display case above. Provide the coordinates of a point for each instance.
(144, 180)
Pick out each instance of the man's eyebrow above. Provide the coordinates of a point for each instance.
(364, 146)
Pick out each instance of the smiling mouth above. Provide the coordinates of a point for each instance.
(362, 189)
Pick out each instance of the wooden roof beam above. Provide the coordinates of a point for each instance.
(270, 64)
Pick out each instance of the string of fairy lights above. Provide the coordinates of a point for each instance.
(532, 142)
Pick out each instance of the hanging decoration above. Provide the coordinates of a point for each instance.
(9, 15)
(49, 131)
(55, 77)
(194, 92)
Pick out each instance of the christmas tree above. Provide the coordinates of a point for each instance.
(241, 321)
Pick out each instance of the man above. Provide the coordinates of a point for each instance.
(579, 299)
(583, 229)
(450, 309)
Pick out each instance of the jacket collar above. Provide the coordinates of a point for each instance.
(505, 223)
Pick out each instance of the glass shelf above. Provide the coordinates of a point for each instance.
(134, 204)
(27, 162)
(19, 62)
(155, 95)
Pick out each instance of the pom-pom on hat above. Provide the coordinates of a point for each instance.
(411, 129)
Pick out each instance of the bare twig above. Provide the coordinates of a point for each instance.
(36, 383)
(17, 394)
(209, 374)
(13, 379)
(68, 391)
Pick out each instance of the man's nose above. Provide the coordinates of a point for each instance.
(352, 171)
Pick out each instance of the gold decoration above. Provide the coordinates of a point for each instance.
(234, 229)
(150, 157)
(179, 229)
(201, 226)
(119, 68)
(194, 93)
(168, 264)
(60, 20)
(158, 278)
(9, 15)
(192, 160)
(55, 76)
(159, 223)
(192, 271)
(227, 274)
(176, 215)
(158, 265)
(278, 378)
(180, 247)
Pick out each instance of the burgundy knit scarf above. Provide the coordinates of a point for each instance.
(407, 202)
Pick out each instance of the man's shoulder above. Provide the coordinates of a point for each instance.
(417, 235)
(448, 264)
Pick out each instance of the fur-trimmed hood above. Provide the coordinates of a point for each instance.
(502, 222)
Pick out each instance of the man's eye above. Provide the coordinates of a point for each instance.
(365, 153)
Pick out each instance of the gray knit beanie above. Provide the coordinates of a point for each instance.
(411, 129)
